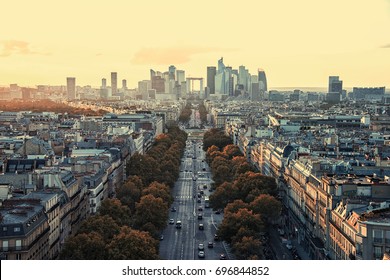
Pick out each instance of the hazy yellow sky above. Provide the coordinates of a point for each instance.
(299, 43)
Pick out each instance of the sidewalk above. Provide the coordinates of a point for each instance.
(300, 250)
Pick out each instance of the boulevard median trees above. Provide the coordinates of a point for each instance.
(84, 246)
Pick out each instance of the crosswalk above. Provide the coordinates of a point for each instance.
(183, 197)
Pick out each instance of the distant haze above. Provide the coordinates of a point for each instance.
(295, 42)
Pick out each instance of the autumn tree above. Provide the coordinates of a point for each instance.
(231, 151)
(119, 213)
(224, 194)
(159, 190)
(132, 244)
(84, 246)
(253, 184)
(129, 194)
(248, 248)
(151, 209)
(243, 218)
(101, 224)
(267, 206)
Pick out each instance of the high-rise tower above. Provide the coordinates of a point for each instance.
(114, 83)
(211, 72)
(71, 88)
(262, 80)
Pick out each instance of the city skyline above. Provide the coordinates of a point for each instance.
(300, 45)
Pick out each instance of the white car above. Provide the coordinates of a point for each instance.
(171, 221)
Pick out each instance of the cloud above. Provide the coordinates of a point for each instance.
(10, 47)
(386, 46)
(171, 55)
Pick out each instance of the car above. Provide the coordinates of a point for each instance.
(216, 237)
(205, 186)
(200, 208)
(200, 216)
(201, 254)
(210, 244)
(289, 245)
(173, 209)
(217, 212)
(201, 247)
(161, 237)
(201, 227)
(171, 221)
(199, 195)
(199, 201)
(201, 192)
(222, 257)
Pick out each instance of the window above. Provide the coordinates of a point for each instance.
(5, 245)
(388, 237)
(378, 235)
(16, 229)
(5, 228)
(18, 244)
(378, 252)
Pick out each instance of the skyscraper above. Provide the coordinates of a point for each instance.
(124, 84)
(172, 72)
(211, 72)
(71, 88)
(262, 80)
(335, 89)
(114, 83)
(104, 83)
(180, 76)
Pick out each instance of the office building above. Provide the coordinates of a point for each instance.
(114, 83)
(335, 89)
(180, 76)
(262, 80)
(211, 72)
(71, 88)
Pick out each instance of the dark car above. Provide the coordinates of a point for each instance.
(200, 216)
(201, 227)
(210, 244)
(216, 237)
(173, 209)
(222, 257)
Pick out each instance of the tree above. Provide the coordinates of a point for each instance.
(236, 205)
(159, 190)
(103, 225)
(132, 244)
(267, 206)
(233, 222)
(144, 166)
(248, 248)
(129, 194)
(231, 151)
(151, 209)
(240, 166)
(84, 246)
(253, 184)
(223, 194)
(113, 207)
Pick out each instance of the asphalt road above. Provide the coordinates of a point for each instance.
(182, 244)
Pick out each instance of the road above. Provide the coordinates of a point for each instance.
(182, 244)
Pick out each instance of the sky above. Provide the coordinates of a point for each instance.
(298, 43)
